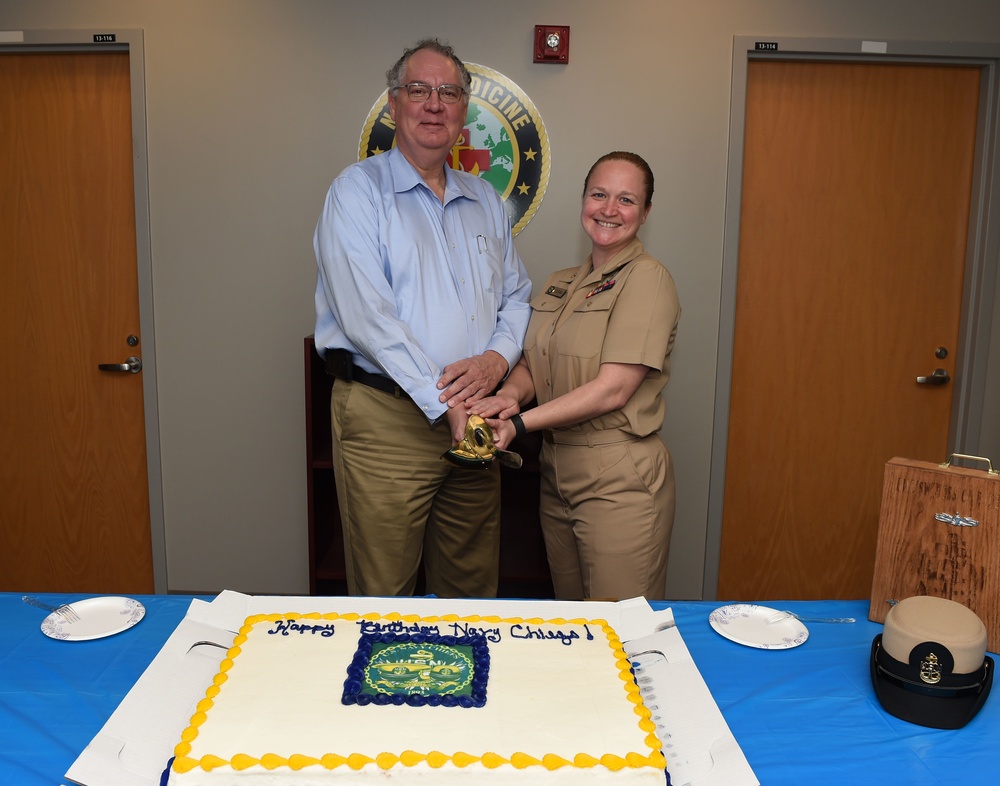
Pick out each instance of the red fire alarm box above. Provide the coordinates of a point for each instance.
(551, 44)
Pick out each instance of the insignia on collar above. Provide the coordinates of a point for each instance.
(557, 291)
(602, 287)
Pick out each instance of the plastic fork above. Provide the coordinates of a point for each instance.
(783, 615)
(65, 610)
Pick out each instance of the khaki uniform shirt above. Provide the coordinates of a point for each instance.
(626, 312)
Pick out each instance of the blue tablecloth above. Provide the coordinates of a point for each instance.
(802, 716)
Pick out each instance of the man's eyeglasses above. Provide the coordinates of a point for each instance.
(419, 92)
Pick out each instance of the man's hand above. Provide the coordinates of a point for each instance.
(466, 381)
(458, 418)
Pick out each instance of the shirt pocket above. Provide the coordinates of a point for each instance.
(491, 272)
(544, 309)
(582, 334)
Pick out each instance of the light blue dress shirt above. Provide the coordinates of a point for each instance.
(409, 284)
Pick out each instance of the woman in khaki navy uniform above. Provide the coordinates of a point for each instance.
(596, 359)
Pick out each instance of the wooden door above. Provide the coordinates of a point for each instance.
(855, 214)
(74, 498)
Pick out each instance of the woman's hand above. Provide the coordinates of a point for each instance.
(499, 407)
(496, 411)
(503, 432)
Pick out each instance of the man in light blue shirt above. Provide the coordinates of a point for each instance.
(421, 309)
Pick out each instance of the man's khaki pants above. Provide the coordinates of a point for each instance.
(400, 501)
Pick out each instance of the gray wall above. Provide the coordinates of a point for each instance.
(253, 107)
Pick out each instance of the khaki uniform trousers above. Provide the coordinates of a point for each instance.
(607, 510)
(400, 501)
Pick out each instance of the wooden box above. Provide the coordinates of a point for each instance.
(938, 535)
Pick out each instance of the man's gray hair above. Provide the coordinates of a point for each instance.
(394, 76)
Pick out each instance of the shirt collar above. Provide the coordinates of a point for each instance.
(405, 177)
(616, 263)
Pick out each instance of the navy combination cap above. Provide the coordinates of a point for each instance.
(929, 665)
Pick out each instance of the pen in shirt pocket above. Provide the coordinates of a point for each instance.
(481, 243)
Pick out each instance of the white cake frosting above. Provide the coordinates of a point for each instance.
(561, 705)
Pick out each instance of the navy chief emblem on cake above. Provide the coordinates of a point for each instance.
(427, 669)
(418, 669)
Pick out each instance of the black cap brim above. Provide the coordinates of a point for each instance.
(949, 707)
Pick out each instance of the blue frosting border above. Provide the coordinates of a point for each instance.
(356, 671)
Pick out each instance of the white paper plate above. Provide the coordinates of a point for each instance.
(748, 624)
(99, 617)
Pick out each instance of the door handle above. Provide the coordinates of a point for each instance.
(939, 377)
(132, 364)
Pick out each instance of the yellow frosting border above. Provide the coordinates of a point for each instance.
(435, 759)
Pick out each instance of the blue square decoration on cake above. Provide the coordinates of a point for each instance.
(418, 669)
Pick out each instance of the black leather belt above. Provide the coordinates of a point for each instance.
(340, 364)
